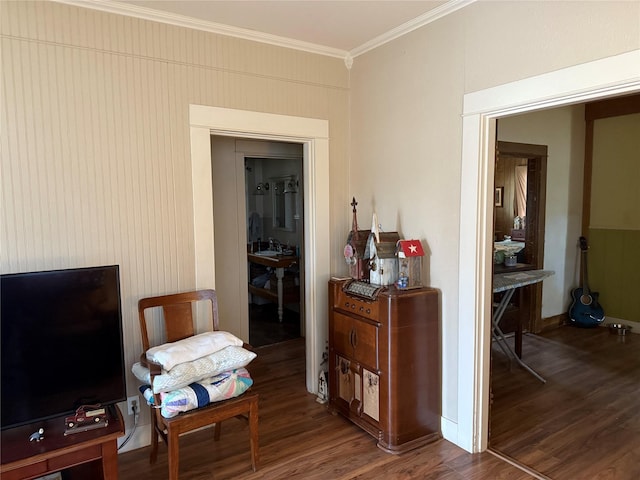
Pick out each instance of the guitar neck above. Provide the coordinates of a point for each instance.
(585, 277)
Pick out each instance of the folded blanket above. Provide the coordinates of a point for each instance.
(171, 354)
(229, 358)
(220, 387)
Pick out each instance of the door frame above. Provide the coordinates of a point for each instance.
(608, 77)
(313, 134)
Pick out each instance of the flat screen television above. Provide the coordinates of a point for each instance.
(61, 340)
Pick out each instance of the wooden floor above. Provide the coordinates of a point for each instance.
(584, 423)
(265, 327)
(300, 439)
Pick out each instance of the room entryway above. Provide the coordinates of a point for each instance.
(258, 234)
(274, 195)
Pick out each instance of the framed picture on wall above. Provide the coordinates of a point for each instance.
(498, 196)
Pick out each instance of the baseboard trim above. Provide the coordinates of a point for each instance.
(449, 430)
(555, 321)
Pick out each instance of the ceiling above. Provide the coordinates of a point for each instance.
(342, 28)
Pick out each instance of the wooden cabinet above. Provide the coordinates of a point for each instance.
(384, 364)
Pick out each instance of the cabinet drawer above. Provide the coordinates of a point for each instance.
(356, 339)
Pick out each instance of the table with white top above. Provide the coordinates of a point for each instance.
(509, 283)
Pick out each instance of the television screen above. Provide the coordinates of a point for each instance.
(61, 339)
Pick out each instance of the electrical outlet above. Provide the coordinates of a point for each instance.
(131, 402)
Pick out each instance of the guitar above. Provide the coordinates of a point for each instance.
(585, 310)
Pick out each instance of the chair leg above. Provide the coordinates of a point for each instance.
(154, 439)
(217, 429)
(253, 433)
(173, 444)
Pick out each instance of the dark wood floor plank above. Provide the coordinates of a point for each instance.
(584, 422)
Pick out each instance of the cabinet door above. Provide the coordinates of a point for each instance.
(356, 339)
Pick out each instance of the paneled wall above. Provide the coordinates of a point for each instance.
(95, 138)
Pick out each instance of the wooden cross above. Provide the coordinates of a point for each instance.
(354, 223)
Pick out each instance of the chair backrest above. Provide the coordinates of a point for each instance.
(177, 310)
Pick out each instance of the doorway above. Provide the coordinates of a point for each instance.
(258, 239)
(520, 180)
(521, 408)
(313, 134)
(597, 79)
(520, 175)
(275, 224)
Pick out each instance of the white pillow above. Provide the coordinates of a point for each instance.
(171, 354)
(228, 358)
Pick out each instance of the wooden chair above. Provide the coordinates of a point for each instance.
(179, 324)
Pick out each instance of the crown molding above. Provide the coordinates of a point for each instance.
(211, 27)
(221, 29)
(431, 16)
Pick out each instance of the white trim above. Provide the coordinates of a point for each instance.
(599, 79)
(160, 16)
(577, 83)
(253, 35)
(228, 120)
(203, 232)
(449, 430)
(314, 135)
(413, 24)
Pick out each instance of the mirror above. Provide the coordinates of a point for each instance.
(284, 194)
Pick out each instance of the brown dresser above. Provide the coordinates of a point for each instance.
(384, 363)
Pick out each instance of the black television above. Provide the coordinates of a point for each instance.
(61, 340)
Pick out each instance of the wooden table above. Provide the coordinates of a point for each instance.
(23, 459)
(279, 263)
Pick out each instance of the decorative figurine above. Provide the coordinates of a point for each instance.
(323, 382)
(381, 252)
(355, 247)
(410, 255)
(323, 390)
(37, 436)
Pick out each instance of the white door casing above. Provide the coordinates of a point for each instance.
(607, 77)
(313, 134)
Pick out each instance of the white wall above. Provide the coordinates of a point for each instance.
(407, 99)
(562, 130)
